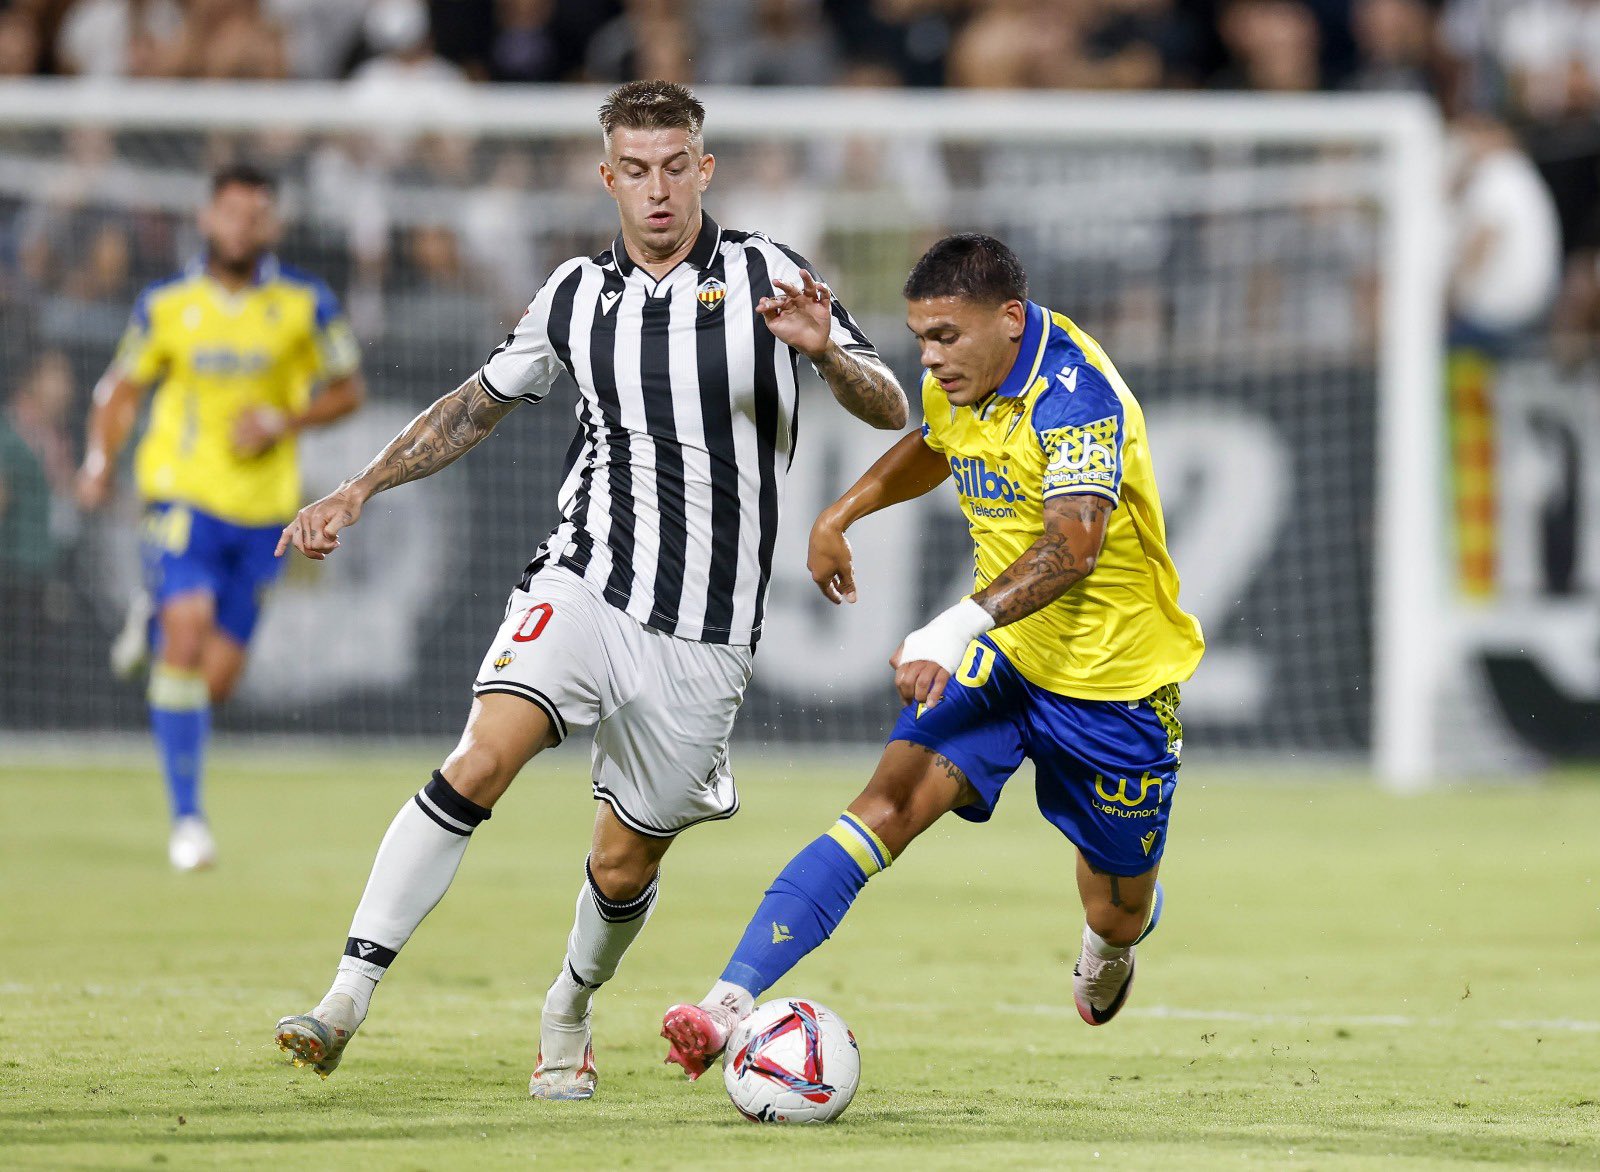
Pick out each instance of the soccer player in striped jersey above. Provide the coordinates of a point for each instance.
(638, 615)
(1069, 652)
(242, 354)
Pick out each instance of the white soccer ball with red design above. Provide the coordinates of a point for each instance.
(791, 1061)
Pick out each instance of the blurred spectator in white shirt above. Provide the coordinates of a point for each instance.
(115, 38)
(1532, 59)
(322, 34)
(1505, 258)
(403, 58)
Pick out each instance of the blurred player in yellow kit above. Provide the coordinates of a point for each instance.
(242, 354)
(1069, 652)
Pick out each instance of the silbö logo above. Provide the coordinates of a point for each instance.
(979, 482)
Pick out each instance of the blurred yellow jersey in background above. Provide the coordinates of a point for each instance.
(1064, 422)
(213, 355)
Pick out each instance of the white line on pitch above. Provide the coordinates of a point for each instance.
(1572, 1025)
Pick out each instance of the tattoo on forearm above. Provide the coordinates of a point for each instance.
(438, 437)
(864, 388)
(1050, 567)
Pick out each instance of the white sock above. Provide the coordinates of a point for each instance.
(1093, 944)
(602, 930)
(727, 995)
(354, 985)
(416, 861)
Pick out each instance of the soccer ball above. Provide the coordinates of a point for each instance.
(791, 1061)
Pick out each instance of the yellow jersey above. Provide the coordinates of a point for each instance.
(1064, 422)
(212, 355)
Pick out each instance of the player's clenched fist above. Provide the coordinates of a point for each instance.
(315, 529)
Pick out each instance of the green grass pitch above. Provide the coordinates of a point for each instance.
(1343, 979)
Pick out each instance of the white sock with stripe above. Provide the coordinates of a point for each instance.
(602, 930)
(416, 862)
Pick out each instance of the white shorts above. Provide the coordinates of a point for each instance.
(662, 707)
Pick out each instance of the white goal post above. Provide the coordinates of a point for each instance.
(1350, 189)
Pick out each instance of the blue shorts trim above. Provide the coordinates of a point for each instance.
(186, 551)
(1106, 770)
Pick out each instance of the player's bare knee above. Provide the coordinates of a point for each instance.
(480, 772)
(221, 684)
(889, 813)
(620, 875)
(184, 633)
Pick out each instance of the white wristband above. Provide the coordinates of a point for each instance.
(945, 638)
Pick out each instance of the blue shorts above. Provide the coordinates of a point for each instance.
(186, 551)
(1105, 769)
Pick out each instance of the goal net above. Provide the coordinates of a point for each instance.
(1264, 272)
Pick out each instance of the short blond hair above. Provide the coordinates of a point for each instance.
(652, 105)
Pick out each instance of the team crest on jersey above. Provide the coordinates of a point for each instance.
(710, 293)
(503, 660)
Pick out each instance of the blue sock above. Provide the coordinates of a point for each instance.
(805, 903)
(180, 718)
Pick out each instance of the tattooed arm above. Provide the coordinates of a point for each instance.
(1065, 554)
(1074, 531)
(802, 318)
(864, 386)
(439, 436)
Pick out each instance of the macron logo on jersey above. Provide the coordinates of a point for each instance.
(1068, 379)
(607, 300)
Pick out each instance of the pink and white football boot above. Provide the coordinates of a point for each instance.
(697, 1034)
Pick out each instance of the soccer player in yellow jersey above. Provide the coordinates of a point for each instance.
(242, 353)
(1069, 652)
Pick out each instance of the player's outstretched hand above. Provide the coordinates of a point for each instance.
(831, 562)
(802, 317)
(920, 681)
(315, 529)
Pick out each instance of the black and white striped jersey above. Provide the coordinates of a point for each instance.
(687, 418)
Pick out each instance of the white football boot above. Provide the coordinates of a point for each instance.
(130, 650)
(1100, 987)
(191, 847)
(317, 1039)
(566, 1059)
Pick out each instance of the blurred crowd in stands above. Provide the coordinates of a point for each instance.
(427, 240)
(1520, 77)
